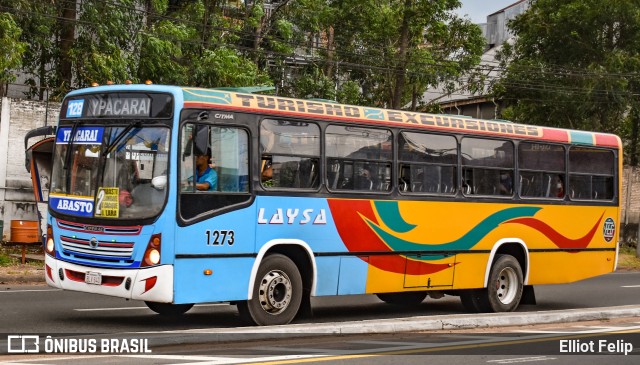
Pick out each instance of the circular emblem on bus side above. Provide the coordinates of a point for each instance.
(93, 242)
(609, 229)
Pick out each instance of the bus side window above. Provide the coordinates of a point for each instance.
(591, 174)
(229, 163)
(292, 149)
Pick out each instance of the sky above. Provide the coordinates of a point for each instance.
(478, 10)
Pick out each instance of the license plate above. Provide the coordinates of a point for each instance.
(94, 278)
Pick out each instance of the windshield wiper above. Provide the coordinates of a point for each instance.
(67, 157)
(120, 136)
(111, 146)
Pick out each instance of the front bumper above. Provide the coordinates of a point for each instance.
(154, 284)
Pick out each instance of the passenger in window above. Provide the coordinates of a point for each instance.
(559, 186)
(365, 181)
(267, 172)
(506, 184)
(206, 177)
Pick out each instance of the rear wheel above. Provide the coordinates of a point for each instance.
(277, 293)
(406, 299)
(168, 309)
(504, 289)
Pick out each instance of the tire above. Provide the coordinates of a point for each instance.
(277, 293)
(505, 285)
(403, 299)
(168, 309)
(503, 291)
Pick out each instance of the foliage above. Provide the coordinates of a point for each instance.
(11, 48)
(224, 66)
(574, 64)
(394, 50)
(375, 52)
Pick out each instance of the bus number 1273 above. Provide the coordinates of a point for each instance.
(219, 238)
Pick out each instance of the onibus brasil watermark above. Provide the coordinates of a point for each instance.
(34, 344)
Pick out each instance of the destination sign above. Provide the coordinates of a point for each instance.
(119, 105)
(83, 135)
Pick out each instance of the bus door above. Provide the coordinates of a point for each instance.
(217, 228)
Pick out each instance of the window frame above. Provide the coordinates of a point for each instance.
(613, 176)
(265, 118)
(206, 214)
(391, 162)
(564, 173)
(400, 164)
(464, 168)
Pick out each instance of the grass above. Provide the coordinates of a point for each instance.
(7, 260)
(627, 259)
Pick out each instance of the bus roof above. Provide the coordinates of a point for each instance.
(331, 111)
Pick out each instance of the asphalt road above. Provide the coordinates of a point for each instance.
(611, 342)
(44, 310)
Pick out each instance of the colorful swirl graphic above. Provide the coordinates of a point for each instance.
(360, 230)
(557, 238)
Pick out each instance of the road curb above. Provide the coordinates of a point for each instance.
(386, 326)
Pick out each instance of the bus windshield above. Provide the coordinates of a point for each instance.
(115, 172)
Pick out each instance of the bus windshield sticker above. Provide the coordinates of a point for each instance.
(107, 204)
(74, 109)
(84, 135)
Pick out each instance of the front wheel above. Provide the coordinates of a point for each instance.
(168, 309)
(277, 293)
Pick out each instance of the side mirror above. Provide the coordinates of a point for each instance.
(159, 182)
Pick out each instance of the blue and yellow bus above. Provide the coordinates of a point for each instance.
(176, 196)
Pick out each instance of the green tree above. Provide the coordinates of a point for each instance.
(394, 49)
(575, 64)
(105, 46)
(11, 49)
(37, 21)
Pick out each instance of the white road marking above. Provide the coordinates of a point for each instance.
(137, 308)
(219, 360)
(584, 329)
(28, 290)
(107, 309)
(630, 286)
(522, 359)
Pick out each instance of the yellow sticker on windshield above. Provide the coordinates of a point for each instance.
(107, 204)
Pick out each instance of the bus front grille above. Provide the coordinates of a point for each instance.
(94, 249)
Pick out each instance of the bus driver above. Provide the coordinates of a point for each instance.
(206, 177)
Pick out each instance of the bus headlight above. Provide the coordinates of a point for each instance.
(152, 253)
(152, 257)
(49, 246)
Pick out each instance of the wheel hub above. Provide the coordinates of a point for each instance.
(506, 285)
(275, 292)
